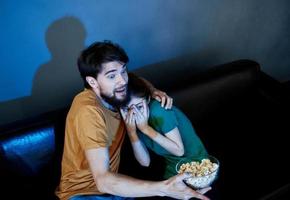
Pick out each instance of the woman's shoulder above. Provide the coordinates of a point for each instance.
(156, 108)
(155, 105)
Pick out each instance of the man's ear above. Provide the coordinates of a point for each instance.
(92, 82)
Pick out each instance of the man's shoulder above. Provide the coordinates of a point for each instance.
(85, 95)
(85, 103)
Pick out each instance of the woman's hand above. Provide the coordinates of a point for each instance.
(129, 120)
(142, 117)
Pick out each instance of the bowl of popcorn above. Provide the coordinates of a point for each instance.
(202, 172)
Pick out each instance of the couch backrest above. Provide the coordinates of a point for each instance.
(30, 154)
(200, 94)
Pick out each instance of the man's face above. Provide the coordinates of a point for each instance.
(113, 81)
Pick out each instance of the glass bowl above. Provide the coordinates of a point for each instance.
(203, 173)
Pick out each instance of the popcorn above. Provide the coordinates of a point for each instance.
(203, 173)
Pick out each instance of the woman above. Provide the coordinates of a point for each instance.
(168, 133)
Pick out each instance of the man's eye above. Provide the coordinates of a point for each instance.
(112, 76)
(140, 107)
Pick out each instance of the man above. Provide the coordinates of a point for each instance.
(94, 134)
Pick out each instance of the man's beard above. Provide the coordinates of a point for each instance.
(113, 101)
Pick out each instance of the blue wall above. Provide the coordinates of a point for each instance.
(41, 39)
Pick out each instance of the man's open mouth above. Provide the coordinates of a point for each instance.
(121, 90)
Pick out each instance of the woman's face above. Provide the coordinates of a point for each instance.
(139, 103)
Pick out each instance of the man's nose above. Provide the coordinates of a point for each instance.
(121, 80)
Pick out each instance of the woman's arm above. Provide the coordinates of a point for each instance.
(172, 141)
(140, 151)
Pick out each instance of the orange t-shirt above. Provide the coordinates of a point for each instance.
(88, 125)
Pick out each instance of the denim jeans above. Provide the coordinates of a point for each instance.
(99, 197)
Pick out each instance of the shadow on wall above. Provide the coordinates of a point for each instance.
(57, 81)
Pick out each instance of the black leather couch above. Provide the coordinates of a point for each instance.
(240, 113)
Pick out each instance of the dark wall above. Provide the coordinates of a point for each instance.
(41, 40)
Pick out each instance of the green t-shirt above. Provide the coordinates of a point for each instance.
(163, 121)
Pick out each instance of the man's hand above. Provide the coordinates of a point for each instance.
(159, 95)
(176, 188)
(163, 98)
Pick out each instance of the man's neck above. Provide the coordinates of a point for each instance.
(104, 103)
(107, 105)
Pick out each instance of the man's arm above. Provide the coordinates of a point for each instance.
(122, 185)
(117, 184)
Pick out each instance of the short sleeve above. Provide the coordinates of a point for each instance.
(91, 128)
(160, 119)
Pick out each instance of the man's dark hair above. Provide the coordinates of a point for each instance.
(91, 59)
(137, 87)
